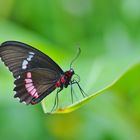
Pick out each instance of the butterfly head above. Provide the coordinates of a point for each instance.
(70, 73)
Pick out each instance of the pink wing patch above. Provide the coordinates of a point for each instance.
(29, 75)
(29, 85)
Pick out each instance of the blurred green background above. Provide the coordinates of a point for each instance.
(101, 28)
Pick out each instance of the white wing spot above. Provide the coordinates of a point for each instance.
(31, 53)
(18, 77)
(24, 64)
(24, 102)
(18, 98)
(30, 57)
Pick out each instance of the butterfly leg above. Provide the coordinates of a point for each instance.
(55, 106)
(81, 90)
(71, 92)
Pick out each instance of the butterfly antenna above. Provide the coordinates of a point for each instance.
(79, 51)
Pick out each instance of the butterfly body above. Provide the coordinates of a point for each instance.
(65, 79)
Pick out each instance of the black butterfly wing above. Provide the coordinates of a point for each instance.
(32, 86)
(22, 59)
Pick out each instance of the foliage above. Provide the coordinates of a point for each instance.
(108, 35)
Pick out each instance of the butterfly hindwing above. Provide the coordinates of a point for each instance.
(32, 84)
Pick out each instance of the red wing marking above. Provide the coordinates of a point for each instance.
(58, 84)
(63, 79)
(29, 85)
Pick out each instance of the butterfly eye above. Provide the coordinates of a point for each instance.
(71, 70)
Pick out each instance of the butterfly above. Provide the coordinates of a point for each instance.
(36, 74)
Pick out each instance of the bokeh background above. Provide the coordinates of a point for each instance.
(101, 28)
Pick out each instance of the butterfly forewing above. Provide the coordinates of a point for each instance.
(21, 57)
(36, 73)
